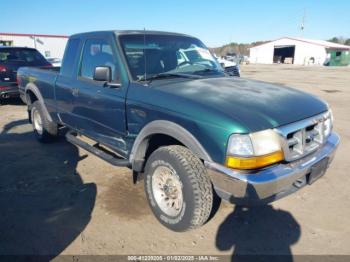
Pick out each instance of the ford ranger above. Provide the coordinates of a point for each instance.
(188, 129)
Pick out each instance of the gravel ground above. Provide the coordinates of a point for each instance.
(58, 199)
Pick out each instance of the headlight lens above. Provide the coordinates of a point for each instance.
(254, 150)
(265, 142)
(240, 145)
(328, 124)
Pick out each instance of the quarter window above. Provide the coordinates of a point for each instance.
(70, 56)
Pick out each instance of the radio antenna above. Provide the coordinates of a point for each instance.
(144, 52)
(302, 25)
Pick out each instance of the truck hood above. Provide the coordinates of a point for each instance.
(255, 105)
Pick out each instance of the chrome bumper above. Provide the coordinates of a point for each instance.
(271, 183)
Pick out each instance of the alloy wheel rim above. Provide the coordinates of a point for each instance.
(167, 190)
(38, 126)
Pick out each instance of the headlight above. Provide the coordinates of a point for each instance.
(240, 145)
(254, 150)
(328, 124)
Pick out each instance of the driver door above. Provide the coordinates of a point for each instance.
(100, 109)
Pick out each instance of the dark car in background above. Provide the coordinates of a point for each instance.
(12, 58)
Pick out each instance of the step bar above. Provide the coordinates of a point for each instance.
(109, 157)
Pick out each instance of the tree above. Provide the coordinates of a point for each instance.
(334, 40)
(339, 40)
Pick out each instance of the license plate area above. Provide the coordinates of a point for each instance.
(318, 170)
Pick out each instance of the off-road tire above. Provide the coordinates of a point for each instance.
(49, 129)
(197, 189)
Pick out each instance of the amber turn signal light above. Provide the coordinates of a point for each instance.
(254, 162)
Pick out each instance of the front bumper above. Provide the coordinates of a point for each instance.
(8, 89)
(271, 183)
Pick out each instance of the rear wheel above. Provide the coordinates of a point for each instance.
(178, 188)
(44, 130)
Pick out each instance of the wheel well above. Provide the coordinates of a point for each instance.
(30, 97)
(149, 145)
(159, 140)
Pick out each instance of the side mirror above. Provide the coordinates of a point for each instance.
(104, 74)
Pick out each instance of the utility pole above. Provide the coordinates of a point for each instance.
(34, 40)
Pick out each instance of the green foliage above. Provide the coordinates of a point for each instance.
(238, 48)
(340, 40)
(334, 40)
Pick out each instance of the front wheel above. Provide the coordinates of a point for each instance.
(178, 188)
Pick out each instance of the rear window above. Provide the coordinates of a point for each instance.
(30, 56)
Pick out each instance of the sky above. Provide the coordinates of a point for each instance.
(214, 22)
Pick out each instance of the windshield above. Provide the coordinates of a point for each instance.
(30, 56)
(161, 54)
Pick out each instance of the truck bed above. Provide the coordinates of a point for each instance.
(44, 79)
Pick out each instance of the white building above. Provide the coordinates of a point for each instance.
(48, 45)
(297, 51)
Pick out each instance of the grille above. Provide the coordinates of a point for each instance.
(232, 70)
(302, 138)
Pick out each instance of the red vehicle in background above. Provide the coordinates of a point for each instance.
(12, 58)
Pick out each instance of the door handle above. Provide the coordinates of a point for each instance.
(75, 91)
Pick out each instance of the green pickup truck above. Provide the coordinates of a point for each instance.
(180, 122)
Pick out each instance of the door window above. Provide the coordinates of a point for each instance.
(97, 52)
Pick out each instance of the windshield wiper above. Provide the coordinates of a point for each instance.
(166, 75)
(207, 70)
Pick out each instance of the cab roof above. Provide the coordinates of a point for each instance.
(129, 32)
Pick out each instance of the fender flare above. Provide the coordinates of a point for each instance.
(32, 87)
(165, 128)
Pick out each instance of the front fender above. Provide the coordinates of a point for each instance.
(165, 128)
